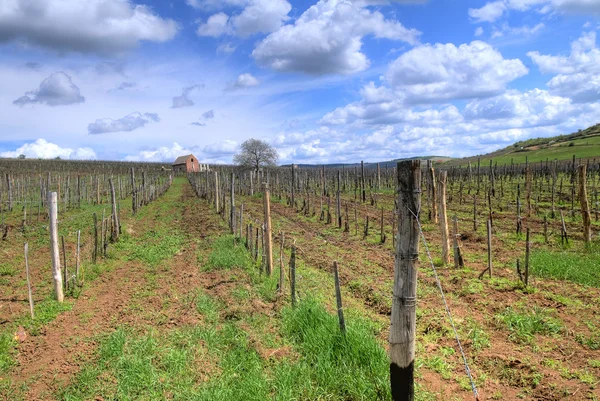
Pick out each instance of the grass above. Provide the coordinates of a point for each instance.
(153, 247)
(580, 267)
(523, 325)
(226, 256)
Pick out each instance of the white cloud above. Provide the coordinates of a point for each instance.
(327, 38)
(261, 16)
(584, 57)
(219, 149)
(128, 123)
(258, 16)
(215, 26)
(479, 31)
(226, 48)
(56, 90)
(494, 10)
(578, 74)
(161, 154)
(47, 150)
(489, 12)
(443, 72)
(91, 26)
(243, 81)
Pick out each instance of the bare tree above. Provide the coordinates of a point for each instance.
(255, 153)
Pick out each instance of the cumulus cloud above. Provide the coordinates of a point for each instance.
(43, 149)
(161, 154)
(327, 38)
(434, 73)
(93, 26)
(128, 123)
(258, 16)
(222, 148)
(56, 90)
(578, 74)
(184, 99)
(215, 26)
(244, 81)
(494, 10)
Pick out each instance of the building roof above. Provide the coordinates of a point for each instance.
(181, 159)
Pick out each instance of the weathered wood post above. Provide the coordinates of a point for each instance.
(29, 295)
(527, 247)
(458, 259)
(115, 216)
(217, 192)
(95, 250)
(10, 194)
(56, 273)
(281, 270)
(293, 201)
(362, 181)
(268, 234)
(444, 218)
(293, 275)
(338, 298)
(232, 208)
(585, 207)
(133, 192)
(432, 192)
(338, 200)
(404, 301)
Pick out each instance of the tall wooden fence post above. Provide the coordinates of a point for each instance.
(338, 297)
(444, 218)
(115, 215)
(29, 295)
(268, 234)
(403, 319)
(56, 274)
(585, 208)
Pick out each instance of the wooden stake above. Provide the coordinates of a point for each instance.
(338, 298)
(403, 318)
(56, 273)
(585, 207)
(115, 215)
(281, 268)
(30, 296)
(444, 218)
(268, 236)
(293, 275)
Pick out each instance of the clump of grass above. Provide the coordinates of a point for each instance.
(352, 366)
(152, 248)
(224, 255)
(581, 267)
(7, 344)
(524, 325)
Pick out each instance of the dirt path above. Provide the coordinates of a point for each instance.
(49, 361)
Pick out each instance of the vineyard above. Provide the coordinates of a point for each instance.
(123, 281)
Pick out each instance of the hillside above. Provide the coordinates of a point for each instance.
(583, 144)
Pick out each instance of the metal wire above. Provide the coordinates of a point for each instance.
(439, 285)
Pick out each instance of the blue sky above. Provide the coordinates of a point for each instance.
(322, 81)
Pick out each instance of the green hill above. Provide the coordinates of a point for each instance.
(584, 144)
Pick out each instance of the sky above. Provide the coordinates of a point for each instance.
(321, 81)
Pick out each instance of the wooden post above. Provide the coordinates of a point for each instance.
(78, 257)
(339, 201)
(65, 271)
(115, 215)
(133, 192)
(489, 241)
(281, 269)
(362, 181)
(432, 193)
(30, 296)
(403, 318)
(444, 218)
(232, 208)
(56, 273)
(95, 251)
(338, 298)
(458, 259)
(293, 275)
(268, 236)
(10, 194)
(217, 192)
(293, 201)
(527, 245)
(585, 207)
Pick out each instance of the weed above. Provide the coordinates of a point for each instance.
(524, 325)
(225, 255)
(578, 267)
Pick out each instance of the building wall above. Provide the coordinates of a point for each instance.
(191, 164)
